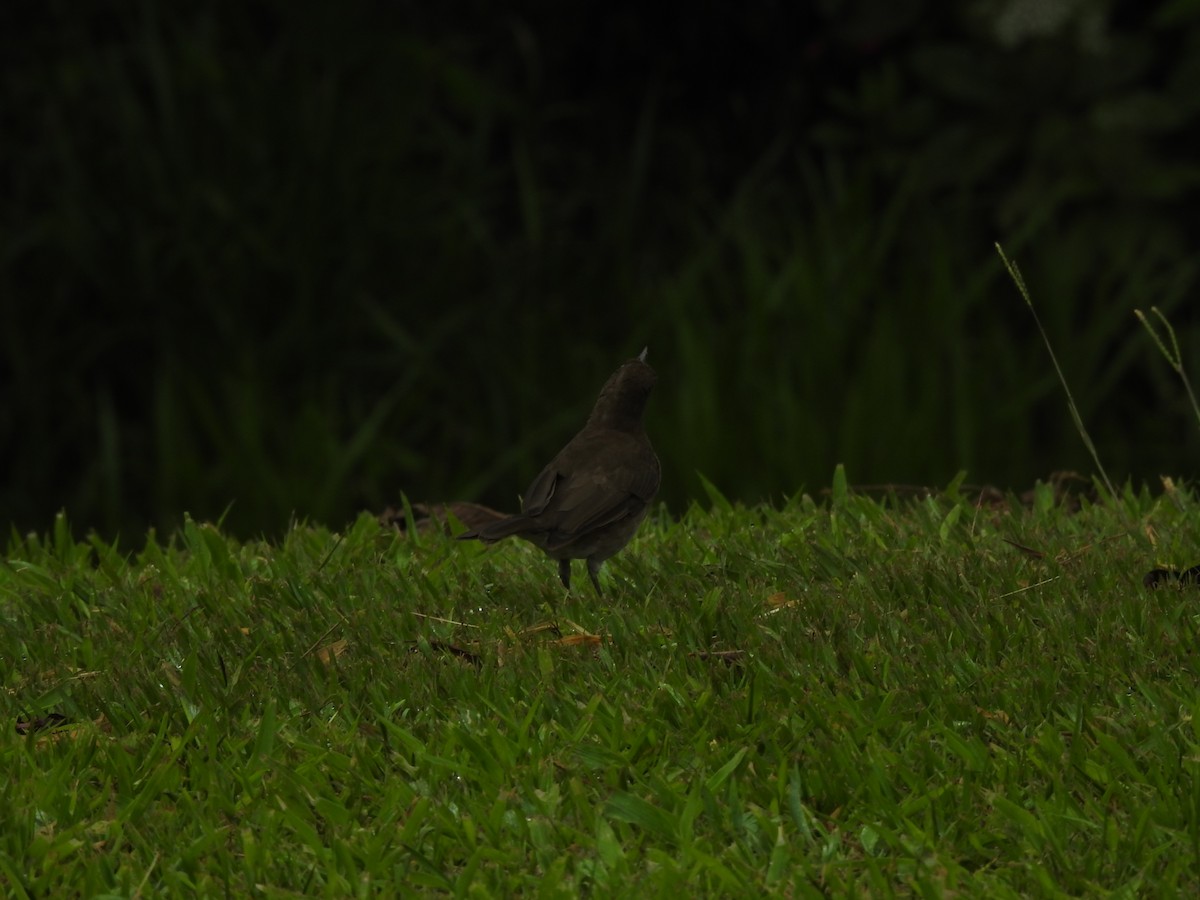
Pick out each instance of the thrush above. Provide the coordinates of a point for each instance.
(588, 502)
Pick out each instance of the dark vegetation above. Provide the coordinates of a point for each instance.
(302, 257)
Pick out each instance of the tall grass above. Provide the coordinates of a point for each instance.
(238, 279)
(1171, 354)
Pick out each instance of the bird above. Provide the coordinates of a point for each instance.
(588, 502)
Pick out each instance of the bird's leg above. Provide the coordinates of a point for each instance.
(564, 573)
(593, 571)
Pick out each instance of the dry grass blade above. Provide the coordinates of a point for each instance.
(1173, 356)
(1028, 551)
(1015, 274)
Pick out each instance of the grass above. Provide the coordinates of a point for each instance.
(834, 696)
(1076, 418)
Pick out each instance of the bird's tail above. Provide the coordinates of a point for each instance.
(497, 531)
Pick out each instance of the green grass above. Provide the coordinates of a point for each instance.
(836, 696)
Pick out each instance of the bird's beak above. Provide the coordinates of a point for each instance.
(642, 355)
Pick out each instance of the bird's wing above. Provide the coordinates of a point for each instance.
(622, 482)
(541, 492)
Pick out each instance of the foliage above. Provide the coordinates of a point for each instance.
(298, 257)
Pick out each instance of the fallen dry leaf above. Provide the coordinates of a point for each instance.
(573, 640)
(332, 651)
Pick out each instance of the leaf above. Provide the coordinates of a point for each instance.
(264, 743)
(1025, 821)
(629, 808)
(949, 522)
(779, 600)
(577, 640)
(332, 651)
(722, 774)
(841, 489)
(714, 495)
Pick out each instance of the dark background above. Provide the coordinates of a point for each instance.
(300, 257)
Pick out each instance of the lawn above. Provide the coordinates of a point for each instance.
(841, 694)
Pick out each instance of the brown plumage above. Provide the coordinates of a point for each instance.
(588, 502)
